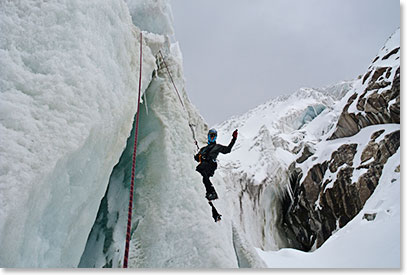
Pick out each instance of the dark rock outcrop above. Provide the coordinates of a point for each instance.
(321, 205)
(306, 153)
(332, 192)
(377, 103)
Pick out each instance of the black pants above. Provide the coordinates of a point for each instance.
(207, 169)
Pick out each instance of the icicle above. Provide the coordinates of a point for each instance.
(145, 101)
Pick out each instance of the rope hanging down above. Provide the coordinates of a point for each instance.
(126, 250)
(130, 210)
(182, 103)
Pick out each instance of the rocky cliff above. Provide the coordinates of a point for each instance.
(332, 180)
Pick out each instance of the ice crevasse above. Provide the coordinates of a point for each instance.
(68, 87)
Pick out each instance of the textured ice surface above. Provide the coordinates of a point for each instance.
(154, 16)
(68, 78)
(68, 99)
(309, 114)
(172, 223)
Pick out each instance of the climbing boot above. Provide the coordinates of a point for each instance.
(211, 196)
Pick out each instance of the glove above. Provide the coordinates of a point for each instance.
(235, 134)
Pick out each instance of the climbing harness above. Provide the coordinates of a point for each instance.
(126, 250)
(179, 97)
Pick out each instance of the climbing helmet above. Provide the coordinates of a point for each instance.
(212, 134)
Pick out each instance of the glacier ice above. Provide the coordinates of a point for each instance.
(154, 16)
(68, 74)
(68, 100)
(170, 210)
(309, 114)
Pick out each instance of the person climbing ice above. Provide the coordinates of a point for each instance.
(207, 160)
(208, 164)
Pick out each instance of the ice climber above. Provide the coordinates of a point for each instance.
(207, 160)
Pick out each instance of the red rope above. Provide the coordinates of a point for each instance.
(133, 168)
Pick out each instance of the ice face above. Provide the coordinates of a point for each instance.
(152, 16)
(68, 80)
(172, 224)
(68, 99)
(309, 114)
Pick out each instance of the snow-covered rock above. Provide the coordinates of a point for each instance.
(376, 97)
(331, 187)
(362, 243)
